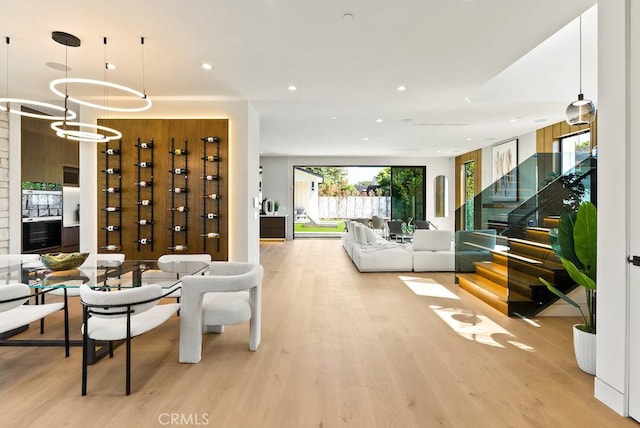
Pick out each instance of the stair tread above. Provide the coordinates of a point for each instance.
(511, 274)
(492, 287)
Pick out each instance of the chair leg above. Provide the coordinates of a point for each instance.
(85, 350)
(66, 325)
(128, 365)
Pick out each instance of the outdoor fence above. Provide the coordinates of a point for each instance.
(354, 206)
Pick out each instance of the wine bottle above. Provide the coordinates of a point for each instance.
(179, 171)
(211, 235)
(178, 190)
(143, 222)
(148, 145)
(210, 196)
(178, 152)
(112, 209)
(212, 139)
(111, 151)
(145, 202)
(112, 190)
(211, 158)
(144, 164)
(178, 248)
(110, 247)
(144, 183)
(112, 228)
(178, 228)
(180, 208)
(112, 170)
(143, 241)
(209, 177)
(211, 216)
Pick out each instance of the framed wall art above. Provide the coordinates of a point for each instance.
(504, 160)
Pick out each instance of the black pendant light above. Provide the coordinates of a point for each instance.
(581, 111)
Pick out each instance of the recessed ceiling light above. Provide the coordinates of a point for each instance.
(110, 66)
(333, 118)
(468, 139)
(378, 120)
(207, 66)
(347, 17)
(467, 100)
(540, 120)
(292, 88)
(365, 139)
(407, 120)
(402, 88)
(512, 120)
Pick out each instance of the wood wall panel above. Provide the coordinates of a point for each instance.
(162, 130)
(545, 137)
(476, 157)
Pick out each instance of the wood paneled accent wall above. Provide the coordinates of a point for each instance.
(162, 130)
(545, 137)
(476, 157)
(44, 153)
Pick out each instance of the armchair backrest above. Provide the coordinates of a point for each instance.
(116, 303)
(13, 295)
(395, 227)
(169, 262)
(227, 276)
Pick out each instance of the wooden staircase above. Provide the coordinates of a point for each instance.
(509, 282)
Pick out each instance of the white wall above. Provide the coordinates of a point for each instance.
(277, 180)
(526, 148)
(614, 119)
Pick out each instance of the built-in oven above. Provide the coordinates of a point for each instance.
(41, 235)
(41, 220)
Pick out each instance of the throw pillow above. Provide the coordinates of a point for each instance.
(370, 235)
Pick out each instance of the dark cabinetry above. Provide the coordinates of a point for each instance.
(273, 227)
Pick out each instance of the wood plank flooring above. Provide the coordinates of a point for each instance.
(339, 348)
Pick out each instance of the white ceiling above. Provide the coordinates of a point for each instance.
(441, 50)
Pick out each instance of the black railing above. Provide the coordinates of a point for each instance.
(521, 218)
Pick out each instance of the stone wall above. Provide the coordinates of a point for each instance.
(4, 183)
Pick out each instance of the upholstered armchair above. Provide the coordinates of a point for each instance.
(229, 294)
(120, 315)
(15, 314)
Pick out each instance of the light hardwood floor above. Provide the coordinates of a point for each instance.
(339, 348)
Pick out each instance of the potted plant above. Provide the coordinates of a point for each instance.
(276, 207)
(575, 244)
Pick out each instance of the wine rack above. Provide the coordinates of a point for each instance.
(112, 196)
(179, 200)
(211, 191)
(144, 188)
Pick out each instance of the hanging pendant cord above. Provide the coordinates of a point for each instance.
(144, 91)
(66, 91)
(580, 77)
(8, 40)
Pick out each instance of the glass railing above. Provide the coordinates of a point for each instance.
(511, 227)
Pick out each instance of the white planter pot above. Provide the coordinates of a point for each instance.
(584, 345)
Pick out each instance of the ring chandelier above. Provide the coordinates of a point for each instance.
(6, 101)
(69, 114)
(79, 135)
(102, 83)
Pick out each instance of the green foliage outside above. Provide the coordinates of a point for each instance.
(335, 181)
(307, 227)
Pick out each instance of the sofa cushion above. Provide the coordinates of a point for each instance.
(361, 237)
(370, 235)
(432, 240)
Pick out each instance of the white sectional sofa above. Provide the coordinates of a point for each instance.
(430, 251)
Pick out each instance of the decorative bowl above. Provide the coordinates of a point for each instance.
(63, 261)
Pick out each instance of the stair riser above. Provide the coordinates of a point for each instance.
(487, 297)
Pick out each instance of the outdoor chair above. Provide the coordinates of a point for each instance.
(395, 228)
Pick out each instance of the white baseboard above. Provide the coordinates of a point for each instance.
(611, 397)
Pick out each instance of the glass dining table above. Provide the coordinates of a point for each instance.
(104, 274)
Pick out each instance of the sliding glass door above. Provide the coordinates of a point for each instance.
(408, 192)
